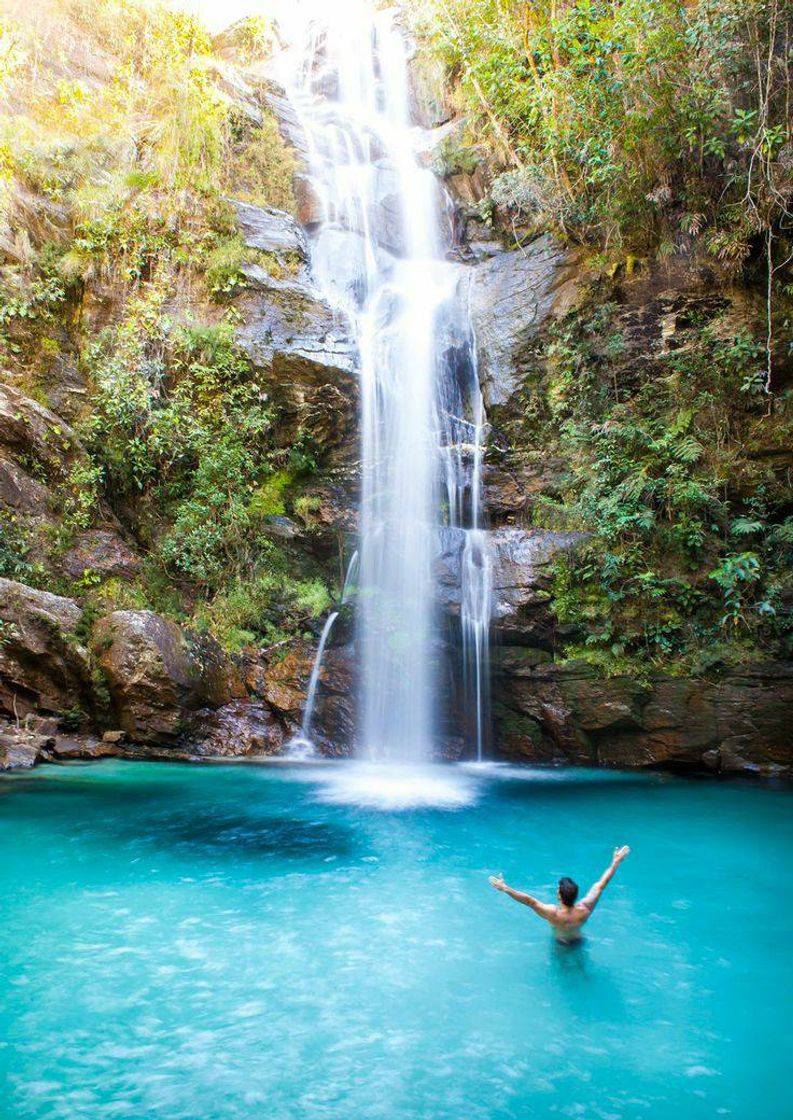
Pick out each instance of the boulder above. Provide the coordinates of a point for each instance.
(20, 492)
(102, 551)
(285, 682)
(20, 747)
(512, 297)
(158, 672)
(238, 728)
(44, 666)
(30, 433)
(291, 333)
(270, 230)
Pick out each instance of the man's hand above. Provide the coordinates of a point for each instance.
(620, 854)
(498, 882)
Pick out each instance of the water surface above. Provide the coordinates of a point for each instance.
(229, 942)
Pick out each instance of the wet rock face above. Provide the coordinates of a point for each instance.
(288, 121)
(44, 667)
(302, 349)
(512, 481)
(283, 683)
(523, 562)
(239, 728)
(157, 672)
(522, 575)
(335, 719)
(567, 713)
(290, 330)
(512, 297)
(429, 105)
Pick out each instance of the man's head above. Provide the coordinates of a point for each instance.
(568, 891)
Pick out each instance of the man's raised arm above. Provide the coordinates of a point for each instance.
(538, 907)
(590, 899)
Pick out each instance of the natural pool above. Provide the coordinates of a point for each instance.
(242, 941)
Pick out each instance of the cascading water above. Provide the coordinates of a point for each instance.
(378, 256)
(462, 427)
(302, 745)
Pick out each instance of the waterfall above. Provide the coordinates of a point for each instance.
(378, 256)
(302, 745)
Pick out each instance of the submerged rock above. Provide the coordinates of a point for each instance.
(157, 672)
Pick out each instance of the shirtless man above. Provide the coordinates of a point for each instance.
(568, 917)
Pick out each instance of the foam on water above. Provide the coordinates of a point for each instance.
(397, 787)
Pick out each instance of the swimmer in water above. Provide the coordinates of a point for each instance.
(568, 917)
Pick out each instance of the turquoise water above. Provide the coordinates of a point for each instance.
(215, 943)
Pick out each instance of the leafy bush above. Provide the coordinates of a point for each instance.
(14, 549)
(619, 122)
(660, 480)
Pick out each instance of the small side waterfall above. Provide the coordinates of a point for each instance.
(378, 256)
(476, 594)
(462, 423)
(302, 744)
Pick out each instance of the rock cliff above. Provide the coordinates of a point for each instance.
(229, 384)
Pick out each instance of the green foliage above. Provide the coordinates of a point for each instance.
(223, 270)
(737, 574)
(14, 549)
(660, 482)
(114, 188)
(262, 168)
(80, 495)
(613, 121)
(264, 608)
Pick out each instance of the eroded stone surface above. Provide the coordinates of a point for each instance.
(567, 713)
(157, 673)
(44, 665)
(270, 230)
(512, 297)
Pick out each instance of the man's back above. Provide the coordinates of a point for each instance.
(569, 915)
(567, 920)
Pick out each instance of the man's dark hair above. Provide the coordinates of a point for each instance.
(568, 891)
